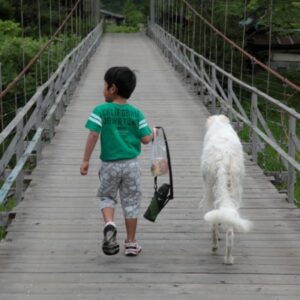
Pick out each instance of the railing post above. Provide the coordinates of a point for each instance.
(152, 12)
(195, 81)
(185, 73)
(202, 79)
(229, 98)
(36, 155)
(213, 86)
(254, 136)
(39, 124)
(19, 153)
(0, 77)
(292, 153)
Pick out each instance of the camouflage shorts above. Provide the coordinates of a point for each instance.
(122, 176)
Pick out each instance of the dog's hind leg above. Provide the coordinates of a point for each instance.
(215, 237)
(228, 258)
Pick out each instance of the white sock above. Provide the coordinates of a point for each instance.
(110, 223)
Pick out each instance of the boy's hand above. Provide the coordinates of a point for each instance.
(155, 132)
(84, 168)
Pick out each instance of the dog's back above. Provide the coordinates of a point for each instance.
(223, 172)
(222, 167)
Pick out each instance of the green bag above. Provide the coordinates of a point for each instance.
(158, 202)
(164, 193)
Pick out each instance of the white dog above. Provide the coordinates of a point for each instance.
(222, 167)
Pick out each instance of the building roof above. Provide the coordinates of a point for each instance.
(111, 14)
(277, 42)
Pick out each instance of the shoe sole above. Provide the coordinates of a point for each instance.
(110, 245)
(132, 252)
(109, 249)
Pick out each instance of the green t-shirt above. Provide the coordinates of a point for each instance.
(121, 126)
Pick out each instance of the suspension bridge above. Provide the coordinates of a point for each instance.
(52, 249)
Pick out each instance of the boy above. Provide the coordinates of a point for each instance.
(122, 128)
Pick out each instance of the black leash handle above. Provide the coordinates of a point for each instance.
(171, 196)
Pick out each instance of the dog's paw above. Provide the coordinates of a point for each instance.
(228, 260)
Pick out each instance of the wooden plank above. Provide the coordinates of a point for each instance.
(53, 247)
(184, 278)
(116, 290)
(133, 296)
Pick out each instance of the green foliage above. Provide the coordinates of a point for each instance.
(235, 12)
(117, 6)
(132, 15)
(120, 29)
(16, 52)
(245, 134)
(11, 55)
(285, 15)
(135, 11)
(114, 6)
(9, 29)
(2, 232)
(297, 190)
(10, 204)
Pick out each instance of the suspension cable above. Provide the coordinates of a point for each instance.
(243, 39)
(23, 50)
(40, 39)
(211, 31)
(200, 32)
(225, 31)
(234, 45)
(39, 53)
(270, 42)
(50, 29)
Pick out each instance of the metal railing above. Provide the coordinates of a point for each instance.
(223, 92)
(35, 122)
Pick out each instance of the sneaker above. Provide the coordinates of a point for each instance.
(109, 244)
(132, 248)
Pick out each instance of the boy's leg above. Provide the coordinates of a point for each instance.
(132, 248)
(131, 195)
(110, 245)
(131, 225)
(107, 193)
(108, 214)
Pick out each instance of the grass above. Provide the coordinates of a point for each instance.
(2, 232)
(8, 206)
(269, 159)
(245, 134)
(112, 28)
(297, 191)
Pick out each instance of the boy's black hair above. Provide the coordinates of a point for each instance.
(123, 78)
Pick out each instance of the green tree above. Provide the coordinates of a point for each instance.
(133, 16)
(285, 15)
(114, 6)
(9, 29)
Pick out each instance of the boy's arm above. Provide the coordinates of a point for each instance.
(147, 139)
(89, 147)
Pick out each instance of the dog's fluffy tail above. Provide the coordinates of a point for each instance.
(229, 217)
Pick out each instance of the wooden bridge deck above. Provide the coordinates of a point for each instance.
(52, 250)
